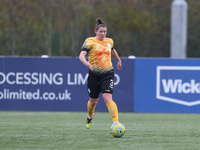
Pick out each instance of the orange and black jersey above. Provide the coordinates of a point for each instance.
(99, 54)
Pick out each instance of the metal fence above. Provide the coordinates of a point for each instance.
(56, 43)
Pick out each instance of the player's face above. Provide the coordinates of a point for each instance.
(101, 33)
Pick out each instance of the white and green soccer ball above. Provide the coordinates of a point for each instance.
(117, 130)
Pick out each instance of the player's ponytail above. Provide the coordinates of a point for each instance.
(100, 23)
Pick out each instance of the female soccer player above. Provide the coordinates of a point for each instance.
(101, 74)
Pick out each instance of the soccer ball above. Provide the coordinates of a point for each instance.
(117, 130)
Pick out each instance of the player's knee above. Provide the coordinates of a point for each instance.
(93, 102)
(107, 97)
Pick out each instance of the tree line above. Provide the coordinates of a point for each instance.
(59, 27)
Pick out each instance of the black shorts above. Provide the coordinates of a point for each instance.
(100, 84)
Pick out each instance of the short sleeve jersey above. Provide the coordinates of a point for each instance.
(99, 54)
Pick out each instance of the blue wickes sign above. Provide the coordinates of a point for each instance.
(56, 84)
(167, 85)
(178, 84)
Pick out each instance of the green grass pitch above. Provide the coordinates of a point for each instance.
(66, 131)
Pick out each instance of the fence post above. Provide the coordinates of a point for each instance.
(135, 43)
(56, 43)
(178, 47)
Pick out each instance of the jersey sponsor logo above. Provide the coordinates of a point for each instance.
(97, 44)
(178, 84)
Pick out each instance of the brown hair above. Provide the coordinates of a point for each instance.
(100, 23)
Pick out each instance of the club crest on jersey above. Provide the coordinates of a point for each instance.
(108, 44)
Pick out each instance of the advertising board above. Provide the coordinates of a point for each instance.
(56, 84)
(167, 85)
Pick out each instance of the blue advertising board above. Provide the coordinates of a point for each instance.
(57, 84)
(167, 85)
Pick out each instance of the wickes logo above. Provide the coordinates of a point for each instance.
(178, 84)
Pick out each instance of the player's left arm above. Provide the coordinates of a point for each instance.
(115, 55)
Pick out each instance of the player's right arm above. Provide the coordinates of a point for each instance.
(84, 61)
